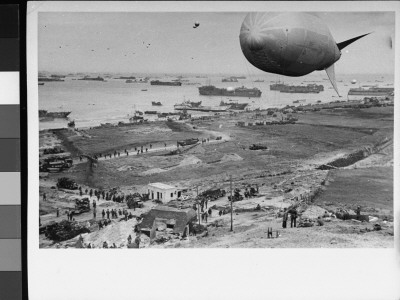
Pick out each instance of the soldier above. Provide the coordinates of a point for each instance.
(358, 211)
(285, 217)
(137, 239)
(293, 217)
(108, 213)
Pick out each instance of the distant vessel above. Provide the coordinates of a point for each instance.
(259, 80)
(40, 83)
(309, 88)
(98, 78)
(156, 103)
(210, 90)
(144, 90)
(129, 81)
(46, 79)
(234, 105)
(230, 79)
(203, 108)
(370, 92)
(187, 105)
(60, 114)
(126, 77)
(299, 101)
(171, 83)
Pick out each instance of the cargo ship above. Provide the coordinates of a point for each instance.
(170, 83)
(234, 105)
(360, 93)
(309, 88)
(98, 78)
(371, 92)
(210, 90)
(60, 114)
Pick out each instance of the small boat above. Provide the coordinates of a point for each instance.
(40, 83)
(156, 103)
(144, 90)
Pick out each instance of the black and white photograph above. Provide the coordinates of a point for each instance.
(237, 127)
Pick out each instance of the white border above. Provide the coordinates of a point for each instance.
(202, 273)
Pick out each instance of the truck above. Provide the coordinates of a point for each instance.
(213, 194)
(81, 206)
(258, 147)
(187, 142)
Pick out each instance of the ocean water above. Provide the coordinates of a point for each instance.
(95, 102)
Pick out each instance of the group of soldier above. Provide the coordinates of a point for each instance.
(293, 216)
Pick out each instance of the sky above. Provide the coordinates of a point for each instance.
(166, 42)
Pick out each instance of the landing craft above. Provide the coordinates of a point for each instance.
(290, 44)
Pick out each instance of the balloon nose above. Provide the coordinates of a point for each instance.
(251, 37)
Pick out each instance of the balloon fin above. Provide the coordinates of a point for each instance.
(330, 71)
(348, 42)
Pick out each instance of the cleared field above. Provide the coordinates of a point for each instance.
(371, 188)
(107, 140)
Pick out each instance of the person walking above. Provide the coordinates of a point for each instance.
(210, 211)
(103, 213)
(94, 213)
(58, 212)
(44, 197)
(94, 204)
(108, 213)
(91, 193)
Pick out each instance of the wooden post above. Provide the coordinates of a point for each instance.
(198, 205)
(230, 177)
